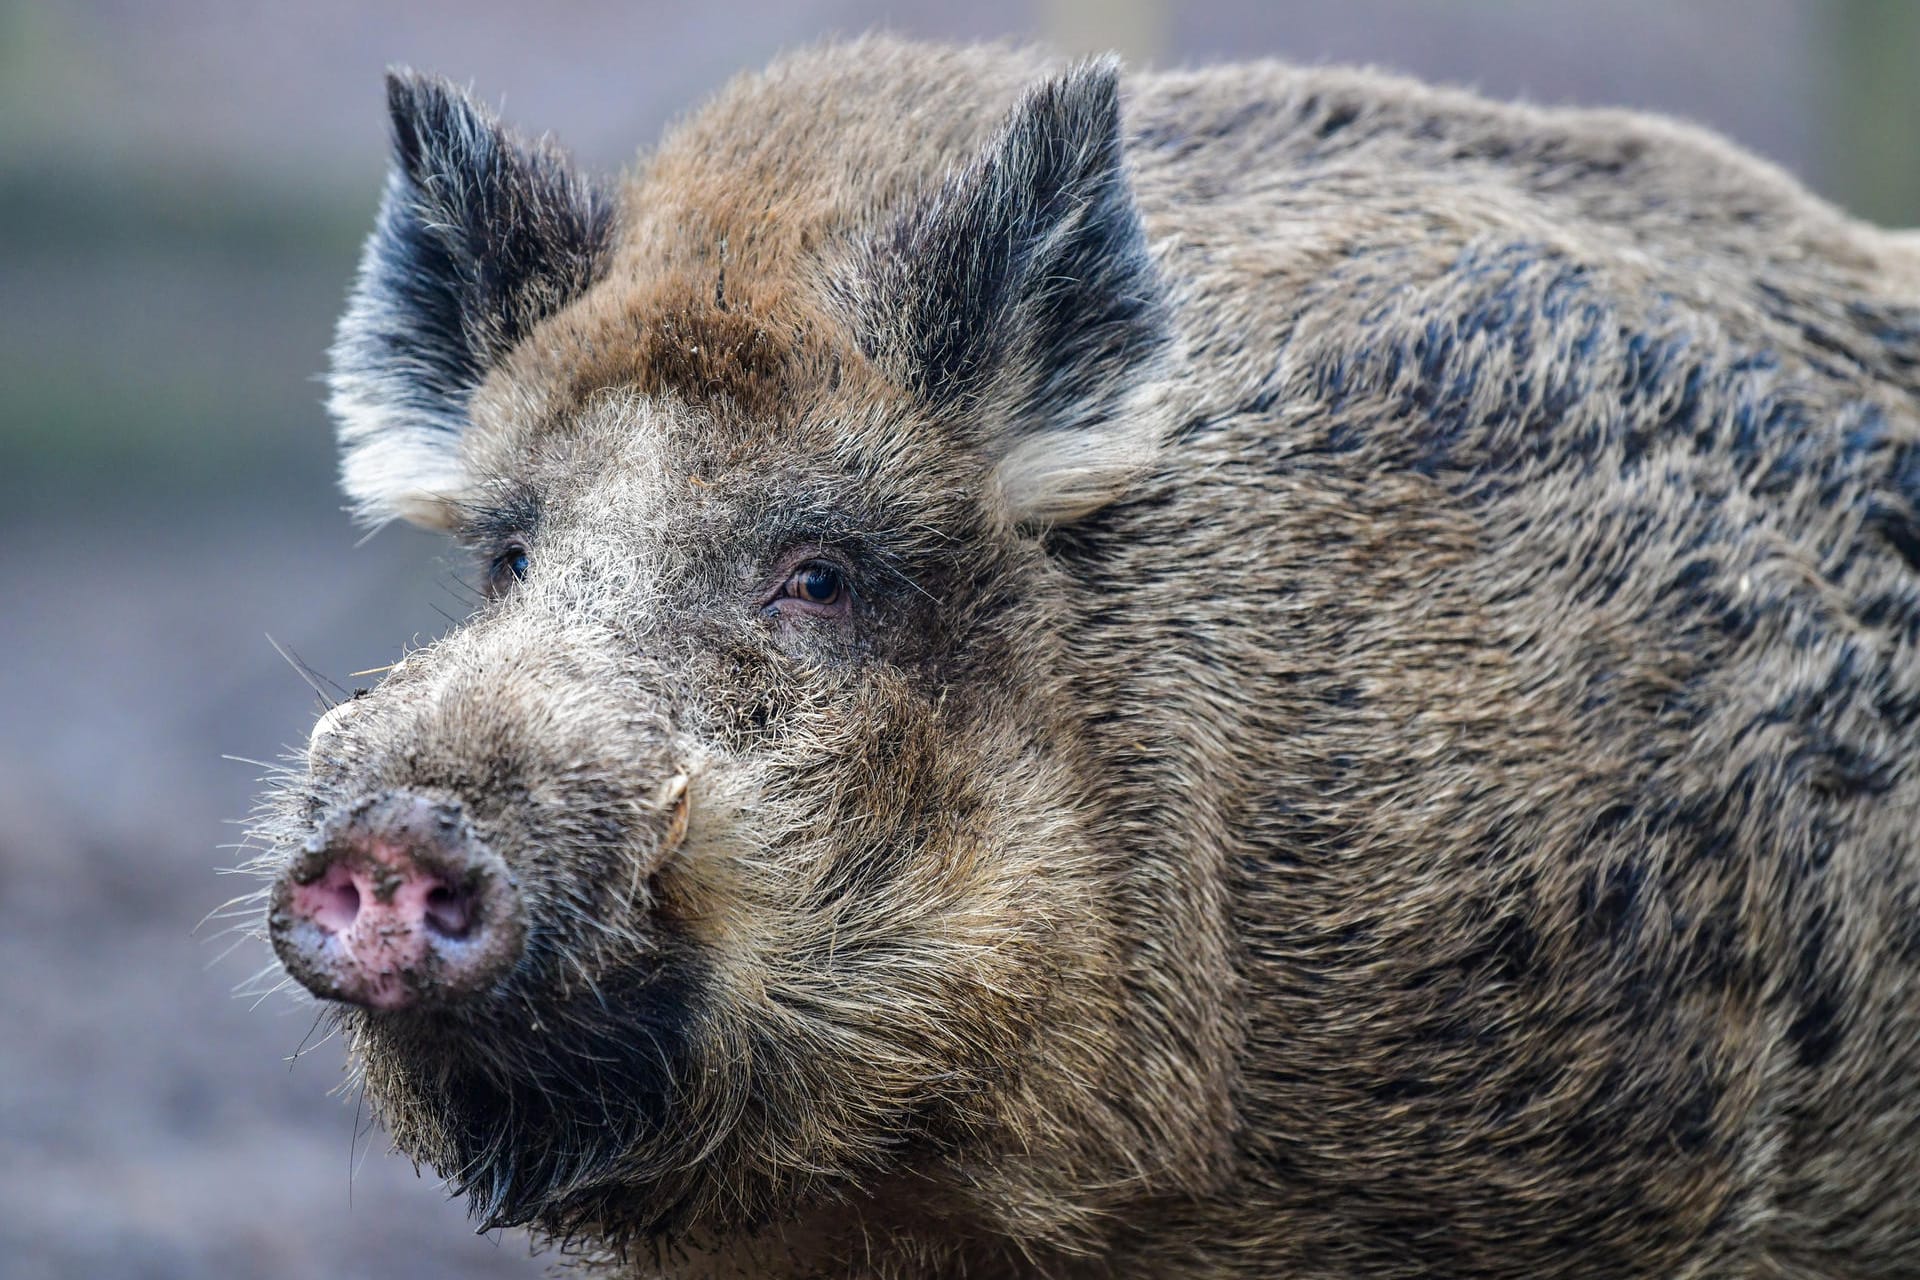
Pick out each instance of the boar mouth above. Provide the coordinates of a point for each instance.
(537, 1110)
(497, 1036)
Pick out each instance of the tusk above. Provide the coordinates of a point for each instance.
(675, 793)
(327, 726)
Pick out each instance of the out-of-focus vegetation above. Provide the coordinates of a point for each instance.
(1872, 109)
(161, 331)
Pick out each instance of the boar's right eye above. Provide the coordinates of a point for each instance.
(509, 567)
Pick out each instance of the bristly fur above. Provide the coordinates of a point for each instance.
(1021, 286)
(1020, 294)
(1372, 731)
(479, 236)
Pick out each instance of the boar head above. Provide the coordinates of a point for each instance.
(741, 852)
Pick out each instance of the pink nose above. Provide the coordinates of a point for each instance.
(395, 904)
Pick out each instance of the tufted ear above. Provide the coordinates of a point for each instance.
(479, 236)
(1019, 296)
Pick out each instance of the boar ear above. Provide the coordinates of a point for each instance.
(479, 236)
(1019, 296)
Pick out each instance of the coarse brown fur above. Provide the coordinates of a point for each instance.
(1375, 733)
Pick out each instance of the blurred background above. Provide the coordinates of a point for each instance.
(183, 184)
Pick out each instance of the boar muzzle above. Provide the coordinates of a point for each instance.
(395, 903)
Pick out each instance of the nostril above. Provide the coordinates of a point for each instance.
(449, 911)
(395, 903)
(332, 901)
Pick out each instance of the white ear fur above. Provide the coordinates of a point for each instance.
(1058, 476)
(399, 430)
(393, 469)
(1019, 297)
(479, 237)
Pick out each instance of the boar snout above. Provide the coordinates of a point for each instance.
(396, 903)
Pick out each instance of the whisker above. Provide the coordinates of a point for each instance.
(308, 674)
(365, 1151)
(270, 766)
(303, 1047)
(268, 994)
(225, 910)
(246, 935)
(240, 988)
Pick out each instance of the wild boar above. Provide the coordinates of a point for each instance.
(1253, 672)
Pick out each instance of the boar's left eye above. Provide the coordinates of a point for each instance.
(509, 567)
(815, 587)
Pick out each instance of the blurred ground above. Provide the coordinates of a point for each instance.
(182, 186)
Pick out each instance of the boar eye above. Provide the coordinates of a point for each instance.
(509, 567)
(817, 587)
